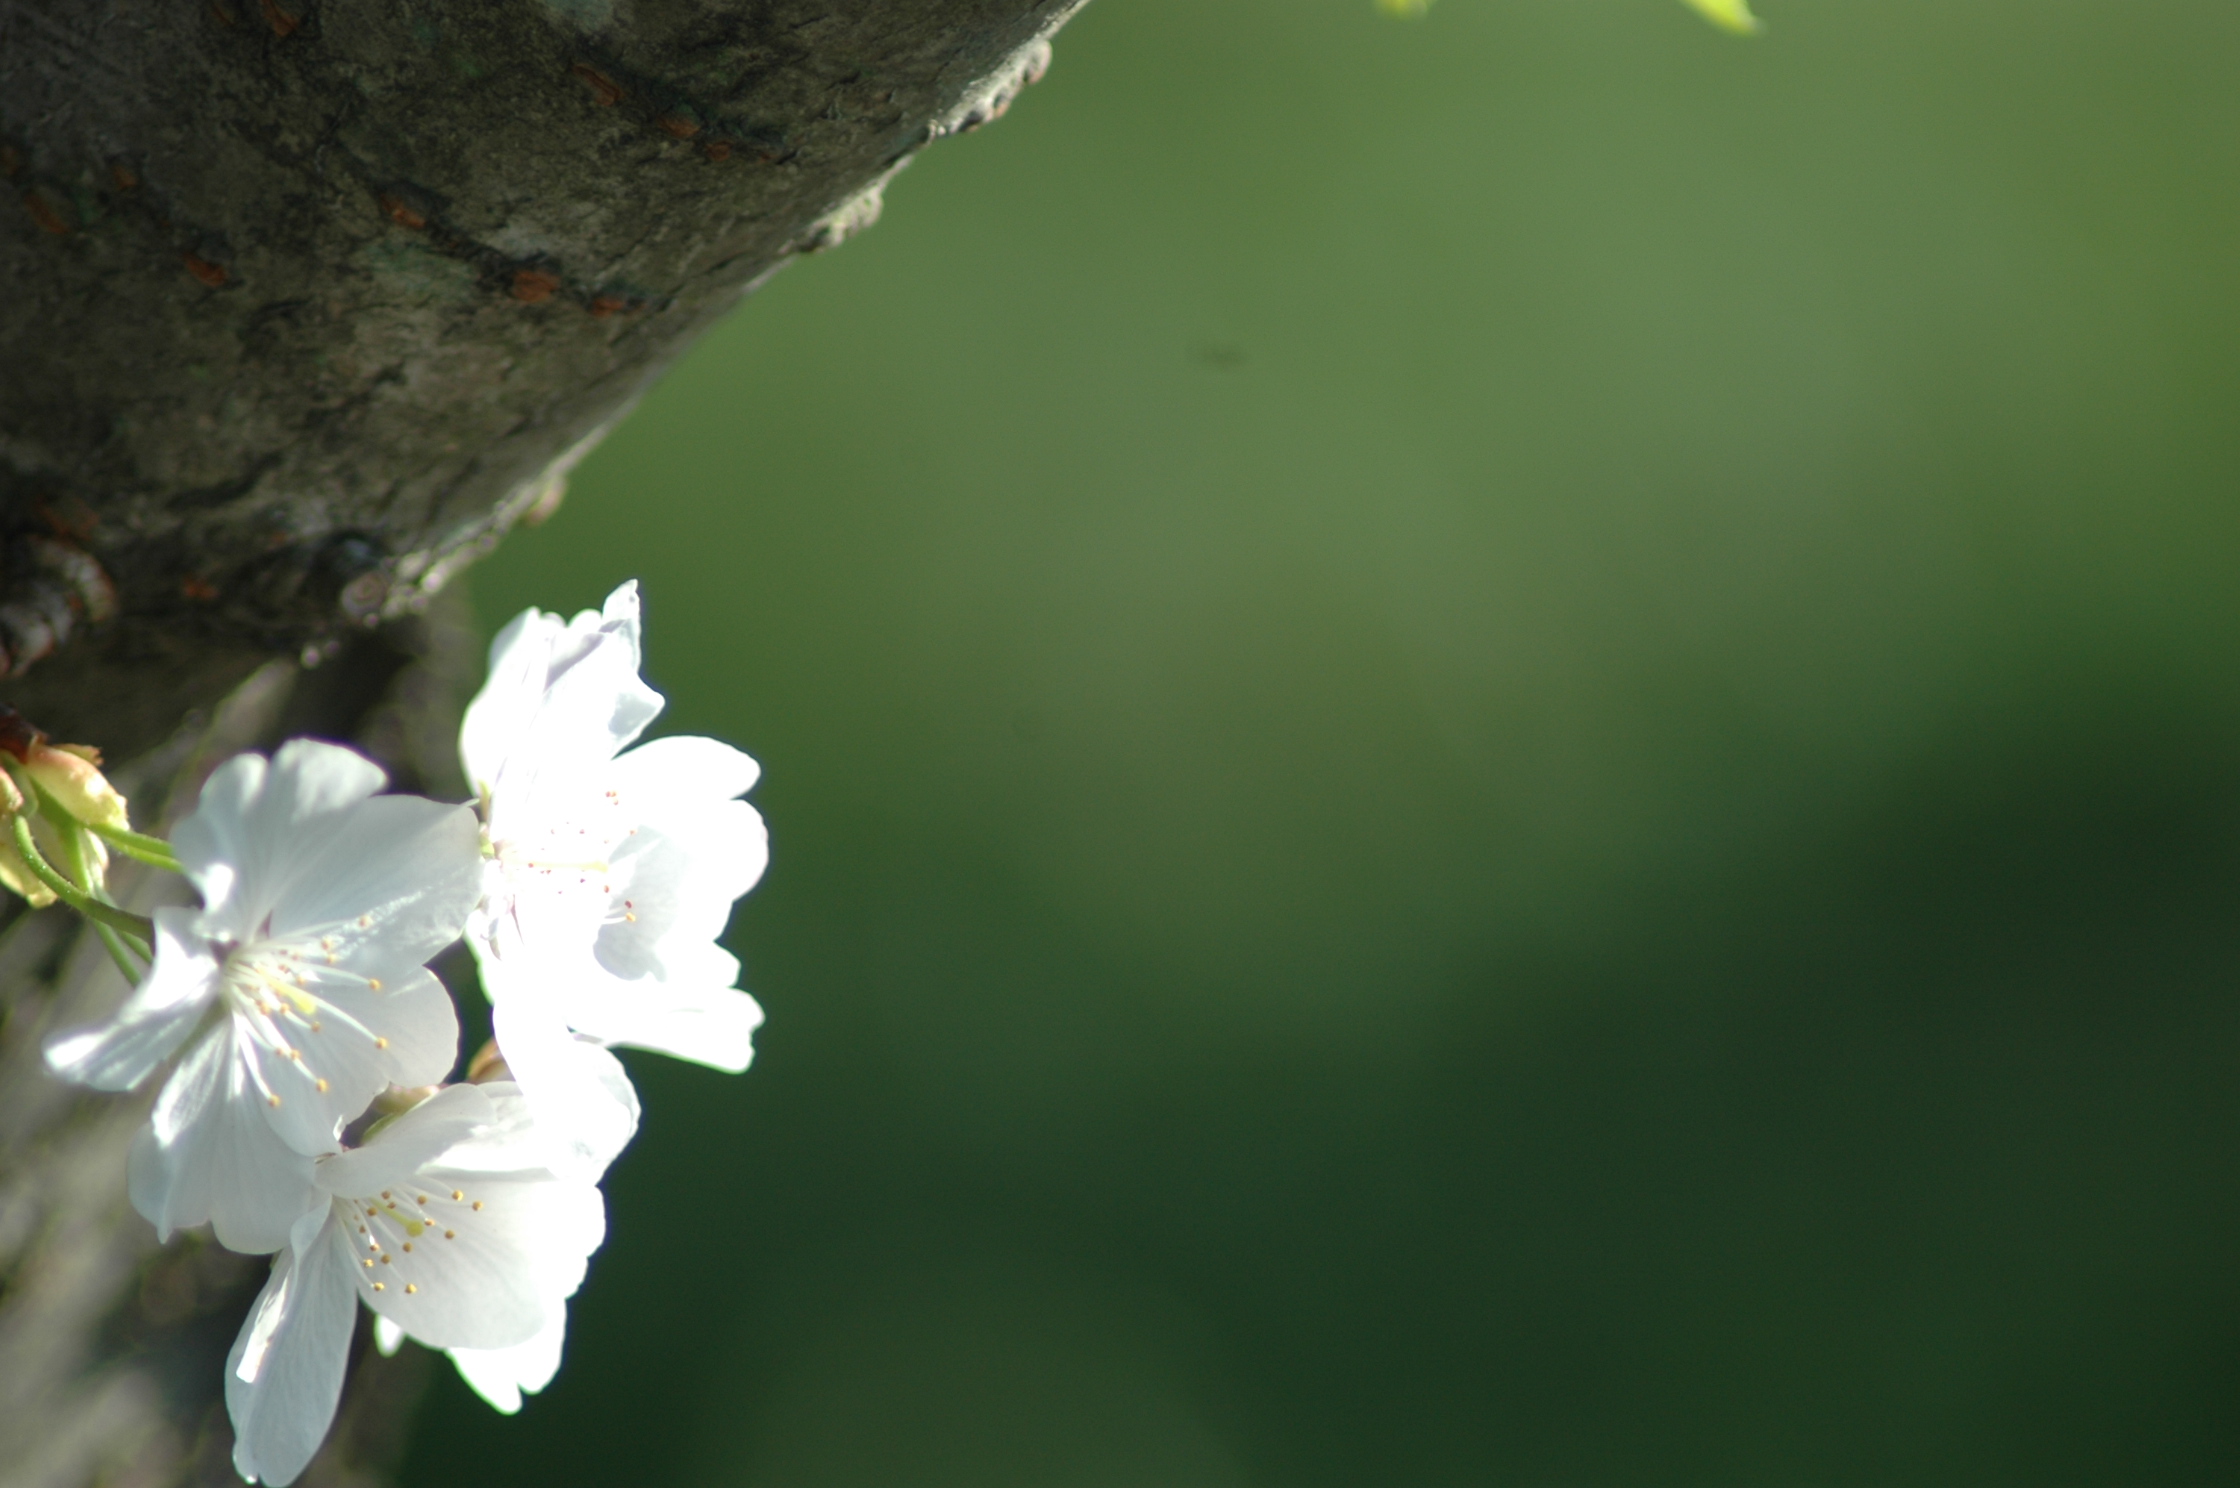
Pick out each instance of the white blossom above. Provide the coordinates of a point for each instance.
(305, 973)
(449, 1223)
(610, 873)
(502, 1376)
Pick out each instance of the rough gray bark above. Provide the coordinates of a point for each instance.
(306, 302)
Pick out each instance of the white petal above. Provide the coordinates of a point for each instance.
(594, 708)
(502, 714)
(660, 980)
(257, 824)
(387, 1337)
(685, 770)
(617, 620)
(583, 1103)
(422, 1023)
(619, 616)
(726, 845)
(311, 778)
(284, 1375)
(459, 1234)
(485, 1270)
(713, 1026)
(210, 1155)
(677, 888)
(153, 1022)
(212, 842)
(359, 1042)
(396, 1152)
(392, 883)
(504, 1141)
(513, 1144)
(681, 961)
(502, 1376)
(559, 698)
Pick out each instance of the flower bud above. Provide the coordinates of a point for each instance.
(15, 874)
(71, 775)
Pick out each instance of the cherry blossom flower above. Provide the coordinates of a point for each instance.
(450, 1224)
(305, 974)
(610, 873)
(502, 1376)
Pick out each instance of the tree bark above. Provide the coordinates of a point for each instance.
(309, 300)
(305, 303)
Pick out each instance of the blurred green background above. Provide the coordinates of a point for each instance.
(1501, 751)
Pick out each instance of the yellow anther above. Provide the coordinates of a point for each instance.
(457, 1194)
(411, 1287)
(384, 1193)
(377, 1286)
(367, 1263)
(384, 1260)
(421, 1200)
(322, 1087)
(450, 1234)
(477, 1202)
(295, 1054)
(633, 919)
(272, 1100)
(364, 920)
(381, 1043)
(373, 984)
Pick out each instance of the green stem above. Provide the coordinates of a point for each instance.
(76, 836)
(153, 851)
(81, 860)
(70, 894)
(114, 942)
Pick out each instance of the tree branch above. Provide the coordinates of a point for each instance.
(309, 302)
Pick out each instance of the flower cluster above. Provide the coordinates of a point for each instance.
(305, 1113)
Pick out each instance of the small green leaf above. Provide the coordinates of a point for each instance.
(1727, 15)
